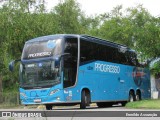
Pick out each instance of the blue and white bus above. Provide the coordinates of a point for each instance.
(65, 69)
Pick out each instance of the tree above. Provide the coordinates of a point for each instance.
(136, 28)
(145, 31)
(17, 25)
(116, 27)
(24, 20)
(21, 21)
(68, 15)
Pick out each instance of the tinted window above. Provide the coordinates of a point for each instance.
(90, 51)
(132, 58)
(41, 49)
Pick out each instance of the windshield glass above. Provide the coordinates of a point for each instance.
(38, 75)
(40, 49)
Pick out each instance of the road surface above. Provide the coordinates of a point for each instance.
(74, 113)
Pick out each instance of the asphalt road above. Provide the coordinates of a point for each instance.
(74, 113)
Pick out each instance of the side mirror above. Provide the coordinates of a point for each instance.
(11, 65)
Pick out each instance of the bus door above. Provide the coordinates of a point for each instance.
(70, 68)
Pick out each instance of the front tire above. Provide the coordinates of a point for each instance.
(84, 100)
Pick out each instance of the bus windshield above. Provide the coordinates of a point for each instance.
(40, 49)
(39, 75)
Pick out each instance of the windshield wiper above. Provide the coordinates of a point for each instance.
(37, 87)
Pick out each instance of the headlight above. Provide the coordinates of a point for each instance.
(23, 94)
(54, 91)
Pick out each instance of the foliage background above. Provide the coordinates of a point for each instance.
(21, 20)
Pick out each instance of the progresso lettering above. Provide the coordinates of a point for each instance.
(39, 54)
(107, 68)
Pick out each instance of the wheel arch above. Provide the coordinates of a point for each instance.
(132, 91)
(138, 92)
(88, 92)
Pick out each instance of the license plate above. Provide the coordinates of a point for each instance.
(37, 100)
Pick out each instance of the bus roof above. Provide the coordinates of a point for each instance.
(43, 38)
(87, 37)
(102, 41)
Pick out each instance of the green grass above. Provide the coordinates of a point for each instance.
(144, 104)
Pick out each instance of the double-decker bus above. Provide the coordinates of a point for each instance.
(68, 69)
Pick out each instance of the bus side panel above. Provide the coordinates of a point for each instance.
(112, 82)
(105, 84)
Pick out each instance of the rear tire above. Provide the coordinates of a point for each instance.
(131, 97)
(138, 96)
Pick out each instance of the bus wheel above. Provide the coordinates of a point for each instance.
(48, 107)
(138, 96)
(84, 100)
(131, 96)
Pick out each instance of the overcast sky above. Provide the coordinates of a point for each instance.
(92, 7)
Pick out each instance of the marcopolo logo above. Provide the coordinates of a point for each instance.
(107, 68)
